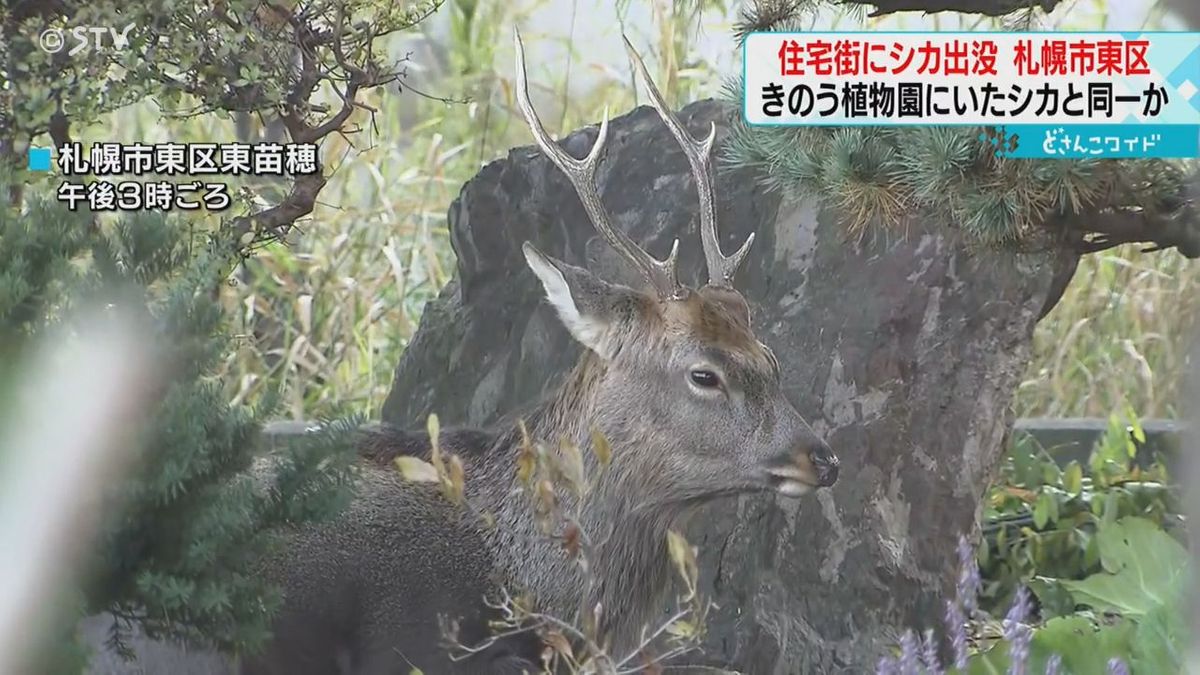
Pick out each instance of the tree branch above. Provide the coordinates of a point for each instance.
(25, 9)
(274, 222)
(1179, 229)
(985, 7)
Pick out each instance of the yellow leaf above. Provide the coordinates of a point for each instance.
(526, 458)
(526, 462)
(601, 447)
(456, 487)
(559, 643)
(545, 496)
(1027, 496)
(416, 470)
(525, 439)
(522, 602)
(433, 426)
(572, 465)
(684, 557)
(682, 629)
(434, 430)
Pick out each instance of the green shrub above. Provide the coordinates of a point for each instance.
(180, 531)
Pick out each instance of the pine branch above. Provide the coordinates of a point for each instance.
(1102, 231)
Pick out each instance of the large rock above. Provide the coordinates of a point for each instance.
(905, 351)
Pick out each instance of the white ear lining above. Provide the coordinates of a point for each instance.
(588, 330)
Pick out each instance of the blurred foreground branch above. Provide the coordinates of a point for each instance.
(60, 447)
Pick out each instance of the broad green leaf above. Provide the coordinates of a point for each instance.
(1112, 508)
(1041, 512)
(1051, 473)
(1045, 510)
(1159, 640)
(1143, 565)
(1053, 599)
(993, 661)
(1135, 425)
(1091, 553)
(1084, 649)
(1073, 478)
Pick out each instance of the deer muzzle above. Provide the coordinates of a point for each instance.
(800, 471)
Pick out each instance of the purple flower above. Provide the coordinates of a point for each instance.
(956, 628)
(1117, 667)
(910, 659)
(1016, 633)
(1053, 664)
(1018, 613)
(929, 653)
(967, 589)
(886, 666)
(1019, 650)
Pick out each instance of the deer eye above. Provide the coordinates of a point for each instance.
(705, 378)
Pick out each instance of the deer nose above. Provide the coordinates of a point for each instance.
(826, 464)
(810, 464)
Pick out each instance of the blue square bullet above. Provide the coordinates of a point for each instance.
(39, 159)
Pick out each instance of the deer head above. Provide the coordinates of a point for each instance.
(682, 379)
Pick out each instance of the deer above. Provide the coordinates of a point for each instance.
(689, 401)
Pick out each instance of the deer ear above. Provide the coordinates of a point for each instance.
(586, 304)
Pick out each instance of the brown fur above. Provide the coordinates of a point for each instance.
(363, 592)
(690, 402)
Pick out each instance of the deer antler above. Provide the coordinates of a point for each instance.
(721, 268)
(660, 274)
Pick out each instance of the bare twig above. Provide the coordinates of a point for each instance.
(647, 641)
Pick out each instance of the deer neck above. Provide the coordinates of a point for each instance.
(629, 568)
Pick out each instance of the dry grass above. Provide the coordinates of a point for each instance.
(1119, 335)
